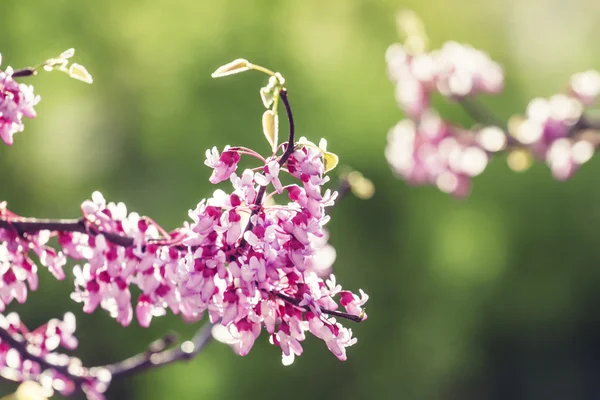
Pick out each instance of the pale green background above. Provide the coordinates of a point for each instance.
(494, 297)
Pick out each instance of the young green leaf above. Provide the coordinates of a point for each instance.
(234, 67)
(270, 123)
(267, 96)
(79, 72)
(330, 160)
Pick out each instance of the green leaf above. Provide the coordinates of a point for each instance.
(267, 96)
(79, 72)
(270, 123)
(330, 160)
(234, 67)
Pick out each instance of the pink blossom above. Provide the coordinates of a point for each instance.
(223, 165)
(454, 71)
(431, 152)
(585, 86)
(247, 263)
(16, 101)
(45, 342)
(548, 131)
(271, 176)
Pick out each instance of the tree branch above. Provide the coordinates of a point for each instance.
(29, 225)
(282, 160)
(296, 302)
(155, 356)
(158, 355)
(291, 139)
(21, 347)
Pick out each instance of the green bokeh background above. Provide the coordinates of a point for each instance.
(494, 297)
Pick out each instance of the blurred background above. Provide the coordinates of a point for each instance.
(493, 297)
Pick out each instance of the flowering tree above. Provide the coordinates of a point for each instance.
(425, 149)
(250, 263)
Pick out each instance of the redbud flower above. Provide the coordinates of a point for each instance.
(455, 71)
(16, 101)
(223, 165)
(44, 342)
(585, 86)
(430, 152)
(250, 264)
(547, 129)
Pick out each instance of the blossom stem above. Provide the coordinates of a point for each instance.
(290, 145)
(157, 355)
(296, 302)
(282, 160)
(587, 122)
(21, 347)
(30, 225)
(479, 113)
(21, 73)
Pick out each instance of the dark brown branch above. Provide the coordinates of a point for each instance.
(21, 347)
(21, 73)
(296, 302)
(482, 115)
(30, 225)
(479, 113)
(587, 122)
(290, 145)
(158, 355)
(282, 160)
(155, 356)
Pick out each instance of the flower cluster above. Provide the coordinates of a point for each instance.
(42, 344)
(16, 101)
(427, 150)
(424, 149)
(255, 265)
(17, 269)
(552, 127)
(455, 71)
(432, 151)
(248, 263)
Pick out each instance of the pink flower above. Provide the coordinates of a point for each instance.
(548, 129)
(16, 101)
(454, 71)
(223, 166)
(250, 265)
(44, 342)
(271, 176)
(585, 86)
(430, 152)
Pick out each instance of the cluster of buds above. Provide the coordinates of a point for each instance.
(424, 149)
(248, 261)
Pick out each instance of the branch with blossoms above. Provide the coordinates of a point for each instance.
(249, 262)
(425, 149)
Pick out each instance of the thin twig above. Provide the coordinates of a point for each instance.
(479, 113)
(21, 73)
(155, 356)
(29, 225)
(296, 302)
(21, 347)
(282, 160)
(153, 359)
